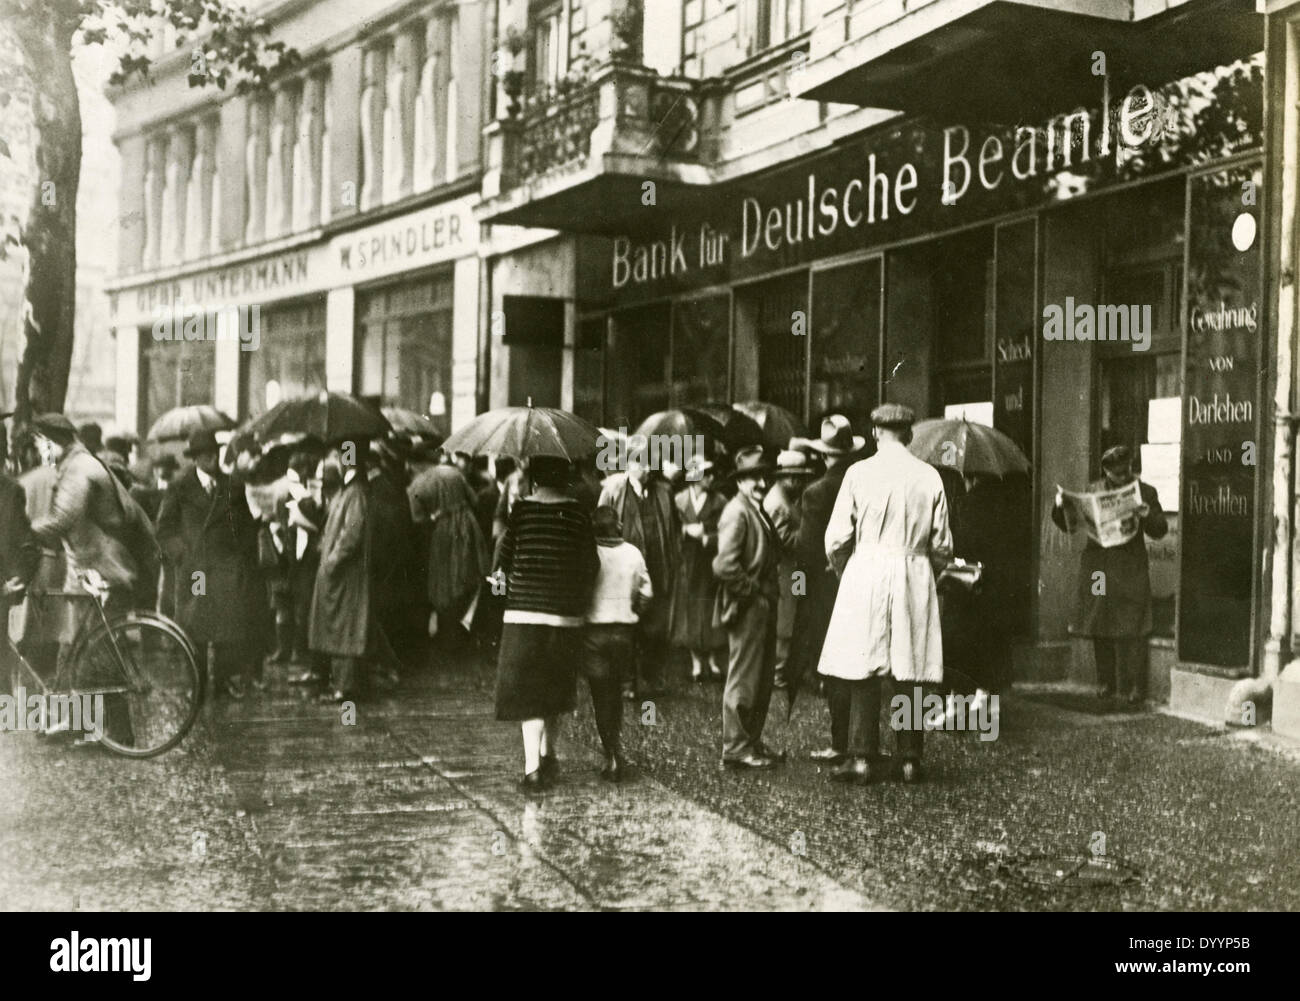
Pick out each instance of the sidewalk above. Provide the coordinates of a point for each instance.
(275, 804)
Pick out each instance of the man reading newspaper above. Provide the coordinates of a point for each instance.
(1114, 579)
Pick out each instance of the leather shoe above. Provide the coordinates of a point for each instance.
(767, 752)
(828, 754)
(912, 772)
(549, 766)
(852, 770)
(748, 761)
(533, 782)
(305, 678)
(613, 770)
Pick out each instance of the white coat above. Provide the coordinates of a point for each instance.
(891, 523)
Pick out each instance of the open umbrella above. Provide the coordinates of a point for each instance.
(327, 416)
(778, 424)
(179, 423)
(738, 430)
(521, 432)
(968, 448)
(409, 422)
(685, 422)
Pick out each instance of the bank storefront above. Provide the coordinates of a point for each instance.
(387, 311)
(1091, 281)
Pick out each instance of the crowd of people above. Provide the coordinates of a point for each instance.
(348, 563)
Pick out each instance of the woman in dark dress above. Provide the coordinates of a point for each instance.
(548, 557)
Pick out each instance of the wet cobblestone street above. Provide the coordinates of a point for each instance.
(273, 803)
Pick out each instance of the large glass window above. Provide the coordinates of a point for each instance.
(772, 341)
(701, 336)
(175, 374)
(404, 345)
(845, 335)
(638, 384)
(290, 358)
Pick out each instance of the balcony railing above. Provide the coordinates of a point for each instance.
(625, 109)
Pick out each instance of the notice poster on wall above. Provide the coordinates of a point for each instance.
(1220, 418)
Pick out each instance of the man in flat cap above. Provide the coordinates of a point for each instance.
(888, 539)
(1119, 618)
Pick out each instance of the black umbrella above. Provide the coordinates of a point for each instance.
(328, 416)
(739, 430)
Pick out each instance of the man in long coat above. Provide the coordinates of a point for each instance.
(793, 471)
(745, 566)
(888, 538)
(209, 537)
(644, 503)
(342, 621)
(1119, 618)
(812, 614)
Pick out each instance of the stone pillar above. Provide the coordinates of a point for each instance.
(154, 171)
(229, 208)
(327, 149)
(131, 205)
(340, 309)
(426, 98)
(464, 341)
(225, 391)
(280, 166)
(399, 131)
(452, 168)
(372, 127)
(256, 141)
(307, 160)
(126, 408)
(199, 191)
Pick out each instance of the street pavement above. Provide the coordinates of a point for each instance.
(275, 803)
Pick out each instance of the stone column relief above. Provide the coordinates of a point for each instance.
(154, 169)
(426, 137)
(326, 160)
(372, 127)
(199, 193)
(307, 155)
(255, 156)
(175, 183)
(279, 165)
(449, 140)
(397, 120)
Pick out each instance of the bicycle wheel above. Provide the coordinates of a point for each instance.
(144, 668)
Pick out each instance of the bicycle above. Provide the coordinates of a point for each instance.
(141, 663)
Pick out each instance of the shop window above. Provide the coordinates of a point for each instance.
(639, 384)
(589, 369)
(845, 342)
(175, 374)
(962, 307)
(770, 353)
(701, 337)
(404, 345)
(290, 358)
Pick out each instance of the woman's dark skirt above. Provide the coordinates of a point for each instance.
(537, 670)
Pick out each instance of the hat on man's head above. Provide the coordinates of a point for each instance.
(605, 524)
(749, 462)
(837, 437)
(791, 462)
(92, 436)
(894, 416)
(201, 443)
(55, 427)
(1118, 457)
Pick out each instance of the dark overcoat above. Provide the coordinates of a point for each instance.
(812, 613)
(215, 535)
(340, 604)
(1123, 609)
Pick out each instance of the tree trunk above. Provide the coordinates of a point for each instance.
(51, 232)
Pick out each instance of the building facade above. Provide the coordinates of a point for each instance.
(317, 236)
(826, 205)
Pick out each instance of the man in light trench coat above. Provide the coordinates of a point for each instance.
(888, 538)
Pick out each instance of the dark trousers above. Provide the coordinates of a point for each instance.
(606, 647)
(751, 671)
(650, 662)
(1121, 665)
(349, 675)
(855, 720)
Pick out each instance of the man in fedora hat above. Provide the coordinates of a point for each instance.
(838, 446)
(209, 537)
(748, 590)
(793, 473)
(888, 538)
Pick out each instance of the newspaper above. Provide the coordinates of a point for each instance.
(1110, 517)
